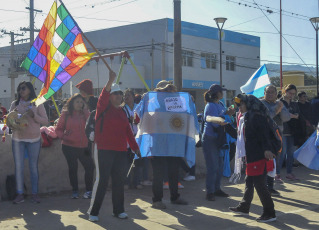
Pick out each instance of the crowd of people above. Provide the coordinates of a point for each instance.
(111, 148)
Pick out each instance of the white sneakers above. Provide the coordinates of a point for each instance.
(189, 177)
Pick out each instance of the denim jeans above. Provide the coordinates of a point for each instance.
(214, 164)
(288, 149)
(33, 149)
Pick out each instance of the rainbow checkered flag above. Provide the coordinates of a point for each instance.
(57, 53)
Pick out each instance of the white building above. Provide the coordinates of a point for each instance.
(200, 46)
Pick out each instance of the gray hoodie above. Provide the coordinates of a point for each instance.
(281, 117)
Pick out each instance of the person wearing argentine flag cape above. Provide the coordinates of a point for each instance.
(166, 133)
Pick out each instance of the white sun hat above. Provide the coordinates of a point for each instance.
(115, 87)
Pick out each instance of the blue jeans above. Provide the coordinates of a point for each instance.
(214, 164)
(33, 149)
(288, 149)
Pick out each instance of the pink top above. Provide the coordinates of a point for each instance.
(32, 131)
(72, 131)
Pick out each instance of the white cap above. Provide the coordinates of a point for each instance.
(115, 87)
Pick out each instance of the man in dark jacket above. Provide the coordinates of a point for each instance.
(279, 113)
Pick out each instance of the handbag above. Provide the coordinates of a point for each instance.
(256, 168)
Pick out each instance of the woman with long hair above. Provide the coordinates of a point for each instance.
(254, 142)
(288, 147)
(71, 130)
(27, 139)
(213, 138)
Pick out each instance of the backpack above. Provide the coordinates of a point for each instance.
(275, 136)
(90, 123)
(11, 186)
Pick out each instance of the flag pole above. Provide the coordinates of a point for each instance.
(107, 65)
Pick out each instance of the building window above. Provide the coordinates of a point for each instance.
(230, 63)
(187, 58)
(208, 60)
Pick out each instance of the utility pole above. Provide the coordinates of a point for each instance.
(12, 73)
(31, 29)
(152, 67)
(280, 46)
(163, 61)
(177, 45)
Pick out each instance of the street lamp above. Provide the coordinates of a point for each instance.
(315, 23)
(220, 23)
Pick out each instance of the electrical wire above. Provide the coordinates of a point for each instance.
(284, 38)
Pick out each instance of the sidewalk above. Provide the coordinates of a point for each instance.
(297, 208)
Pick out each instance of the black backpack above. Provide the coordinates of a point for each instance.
(11, 186)
(90, 122)
(275, 135)
(276, 138)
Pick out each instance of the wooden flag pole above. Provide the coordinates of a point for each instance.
(107, 65)
(55, 105)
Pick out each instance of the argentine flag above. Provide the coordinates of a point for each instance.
(308, 153)
(168, 125)
(257, 83)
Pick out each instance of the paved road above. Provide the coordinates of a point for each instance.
(298, 208)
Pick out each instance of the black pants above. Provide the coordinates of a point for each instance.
(259, 183)
(109, 162)
(72, 155)
(270, 182)
(158, 165)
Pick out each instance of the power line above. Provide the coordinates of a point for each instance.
(268, 9)
(284, 38)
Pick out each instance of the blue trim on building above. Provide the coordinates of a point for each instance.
(212, 33)
(187, 84)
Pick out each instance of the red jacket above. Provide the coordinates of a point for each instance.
(116, 130)
(73, 132)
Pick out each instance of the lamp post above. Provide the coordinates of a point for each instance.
(315, 23)
(220, 23)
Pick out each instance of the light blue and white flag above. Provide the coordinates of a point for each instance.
(257, 83)
(168, 125)
(308, 153)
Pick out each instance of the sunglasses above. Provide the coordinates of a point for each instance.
(22, 88)
(118, 93)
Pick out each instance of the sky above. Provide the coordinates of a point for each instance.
(254, 17)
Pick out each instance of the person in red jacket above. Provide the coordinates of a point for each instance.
(112, 133)
(71, 130)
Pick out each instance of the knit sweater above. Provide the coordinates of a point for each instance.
(72, 130)
(32, 131)
(116, 130)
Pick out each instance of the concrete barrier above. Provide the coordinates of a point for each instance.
(53, 169)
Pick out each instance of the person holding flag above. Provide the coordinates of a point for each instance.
(166, 132)
(112, 134)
